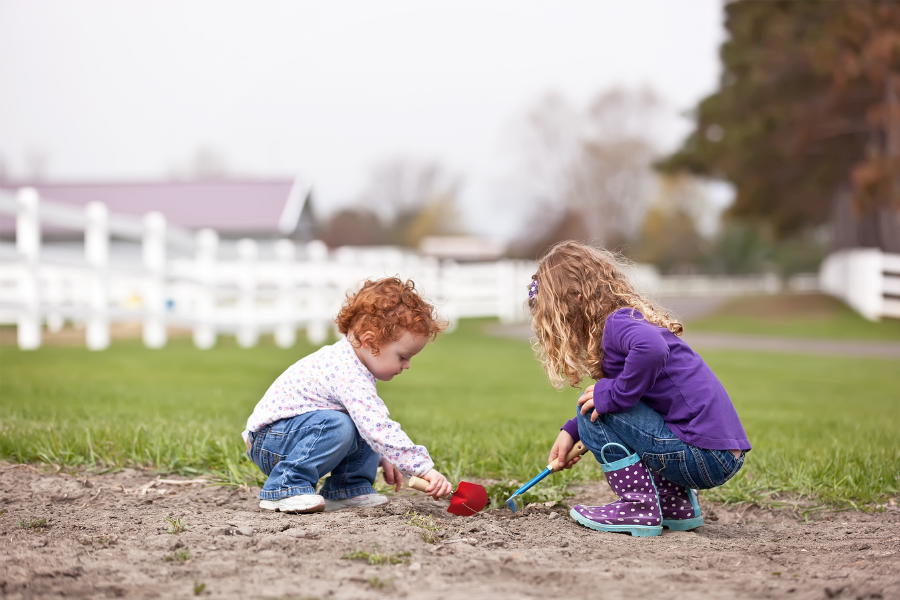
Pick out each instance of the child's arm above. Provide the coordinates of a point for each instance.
(392, 475)
(384, 435)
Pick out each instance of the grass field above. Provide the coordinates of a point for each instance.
(802, 316)
(823, 427)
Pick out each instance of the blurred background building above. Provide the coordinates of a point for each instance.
(235, 208)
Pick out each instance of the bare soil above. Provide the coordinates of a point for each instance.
(107, 536)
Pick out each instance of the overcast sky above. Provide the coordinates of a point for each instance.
(105, 89)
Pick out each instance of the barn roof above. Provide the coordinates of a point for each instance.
(230, 206)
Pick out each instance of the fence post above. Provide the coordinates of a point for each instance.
(28, 243)
(506, 292)
(286, 328)
(154, 254)
(317, 323)
(450, 292)
(865, 278)
(248, 328)
(96, 252)
(205, 293)
(53, 298)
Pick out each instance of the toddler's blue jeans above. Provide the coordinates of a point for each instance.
(642, 430)
(295, 453)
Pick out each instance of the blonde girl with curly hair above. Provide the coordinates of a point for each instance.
(323, 414)
(657, 419)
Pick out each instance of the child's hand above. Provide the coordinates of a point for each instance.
(561, 447)
(586, 402)
(439, 486)
(392, 475)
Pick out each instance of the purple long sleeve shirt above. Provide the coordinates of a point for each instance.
(644, 362)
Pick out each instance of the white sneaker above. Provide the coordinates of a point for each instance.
(305, 503)
(356, 502)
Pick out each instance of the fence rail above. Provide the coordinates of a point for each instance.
(146, 270)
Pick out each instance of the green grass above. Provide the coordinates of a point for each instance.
(824, 427)
(810, 316)
(376, 558)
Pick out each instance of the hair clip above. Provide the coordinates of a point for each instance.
(532, 290)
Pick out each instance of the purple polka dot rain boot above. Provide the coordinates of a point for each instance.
(637, 510)
(680, 509)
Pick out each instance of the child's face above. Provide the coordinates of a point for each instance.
(393, 357)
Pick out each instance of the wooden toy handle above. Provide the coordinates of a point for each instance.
(577, 450)
(417, 483)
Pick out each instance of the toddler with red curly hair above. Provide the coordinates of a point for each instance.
(323, 414)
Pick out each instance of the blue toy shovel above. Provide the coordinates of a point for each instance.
(577, 450)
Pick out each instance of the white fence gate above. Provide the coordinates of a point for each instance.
(867, 279)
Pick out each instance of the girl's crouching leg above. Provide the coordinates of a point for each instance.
(597, 434)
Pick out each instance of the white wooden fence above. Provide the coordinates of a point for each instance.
(867, 279)
(191, 280)
(130, 269)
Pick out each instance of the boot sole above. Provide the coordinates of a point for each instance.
(298, 511)
(683, 524)
(635, 530)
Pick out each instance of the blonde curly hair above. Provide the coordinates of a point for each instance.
(578, 287)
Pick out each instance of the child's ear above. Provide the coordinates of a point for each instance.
(366, 339)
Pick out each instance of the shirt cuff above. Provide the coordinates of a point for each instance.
(571, 427)
(423, 470)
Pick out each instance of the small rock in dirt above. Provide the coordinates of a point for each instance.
(65, 497)
(553, 515)
(245, 530)
(415, 566)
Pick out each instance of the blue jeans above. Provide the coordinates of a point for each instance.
(295, 453)
(642, 430)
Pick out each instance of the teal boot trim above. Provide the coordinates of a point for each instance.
(635, 530)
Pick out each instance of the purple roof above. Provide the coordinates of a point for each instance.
(228, 206)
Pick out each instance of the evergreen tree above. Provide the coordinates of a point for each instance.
(806, 121)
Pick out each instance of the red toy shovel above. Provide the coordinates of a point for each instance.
(468, 499)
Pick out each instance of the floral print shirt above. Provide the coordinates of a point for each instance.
(333, 378)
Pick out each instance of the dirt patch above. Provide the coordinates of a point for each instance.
(97, 536)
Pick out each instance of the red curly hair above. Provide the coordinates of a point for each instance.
(387, 307)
